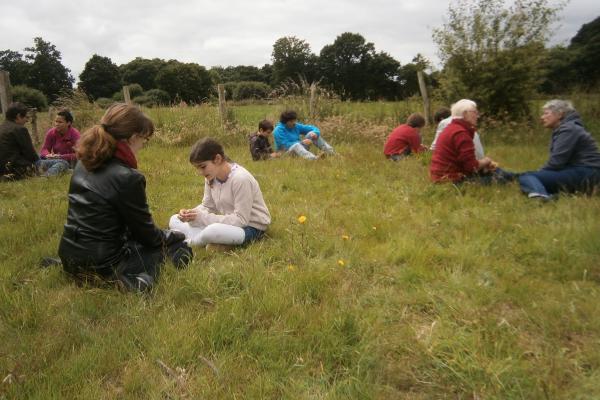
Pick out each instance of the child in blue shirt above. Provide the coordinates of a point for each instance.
(295, 138)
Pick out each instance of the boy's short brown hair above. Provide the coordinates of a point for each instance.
(265, 125)
(415, 120)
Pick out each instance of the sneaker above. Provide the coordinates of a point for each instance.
(540, 196)
(218, 248)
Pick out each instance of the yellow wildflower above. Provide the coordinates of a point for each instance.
(341, 262)
(302, 219)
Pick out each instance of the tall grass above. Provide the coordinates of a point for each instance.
(393, 288)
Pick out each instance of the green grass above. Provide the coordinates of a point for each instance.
(444, 293)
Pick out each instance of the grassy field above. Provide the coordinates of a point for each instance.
(393, 288)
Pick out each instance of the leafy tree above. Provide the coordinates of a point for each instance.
(345, 65)
(238, 74)
(186, 81)
(142, 71)
(30, 97)
(559, 76)
(493, 53)
(384, 77)
(292, 58)
(100, 77)
(251, 90)
(585, 48)
(15, 65)
(46, 72)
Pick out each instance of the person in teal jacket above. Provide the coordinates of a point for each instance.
(295, 138)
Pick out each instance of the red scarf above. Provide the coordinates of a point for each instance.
(124, 153)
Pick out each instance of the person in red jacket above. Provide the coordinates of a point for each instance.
(454, 159)
(405, 139)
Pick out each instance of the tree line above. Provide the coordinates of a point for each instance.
(494, 54)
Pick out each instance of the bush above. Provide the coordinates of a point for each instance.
(104, 102)
(251, 90)
(30, 97)
(157, 97)
(135, 90)
(230, 88)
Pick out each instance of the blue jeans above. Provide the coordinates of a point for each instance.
(53, 167)
(570, 179)
(300, 149)
(251, 234)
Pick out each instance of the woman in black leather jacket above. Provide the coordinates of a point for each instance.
(109, 230)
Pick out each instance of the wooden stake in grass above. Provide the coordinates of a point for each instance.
(5, 93)
(426, 104)
(126, 94)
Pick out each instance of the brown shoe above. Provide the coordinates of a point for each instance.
(218, 248)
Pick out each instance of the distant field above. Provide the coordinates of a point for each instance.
(393, 288)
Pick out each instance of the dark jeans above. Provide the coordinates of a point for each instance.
(252, 234)
(137, 259)
(571, 179)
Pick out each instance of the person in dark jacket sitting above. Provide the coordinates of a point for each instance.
(18, 157)
(574, 163)
(260, 147)
(109, 230)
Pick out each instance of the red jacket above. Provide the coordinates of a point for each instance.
(403, 138)
(454, 154)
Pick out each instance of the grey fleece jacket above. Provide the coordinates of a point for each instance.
(572, 145)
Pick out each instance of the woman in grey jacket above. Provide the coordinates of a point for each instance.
(574, 163)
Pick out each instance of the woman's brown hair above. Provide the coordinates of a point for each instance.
(120, 122)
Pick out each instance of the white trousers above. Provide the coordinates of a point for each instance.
(213, 233)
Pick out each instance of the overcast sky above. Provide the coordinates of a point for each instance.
(232, 32)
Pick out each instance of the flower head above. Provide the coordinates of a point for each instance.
(302, 219)
(345, 237)
(291, 267)
(341, 262)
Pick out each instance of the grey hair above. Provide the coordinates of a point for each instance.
(460, 107)
(559, 107)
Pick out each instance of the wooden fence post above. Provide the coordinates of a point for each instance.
(5, 92)
(126, 95)
(222, 105)
(312, 102)
(426, 104)
(34, 127)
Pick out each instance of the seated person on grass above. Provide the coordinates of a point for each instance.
(295, 138)
(233, 211)
(260, 147)
(58, 153)
(442, 118)
(454, 158)
(405, 139)
(18, 158)
(574, 163)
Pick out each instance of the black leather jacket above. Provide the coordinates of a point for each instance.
(107, 208)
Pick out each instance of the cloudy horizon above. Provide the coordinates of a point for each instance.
(233, 32)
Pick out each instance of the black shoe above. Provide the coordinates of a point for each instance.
(49, 262)
(141, 282)
(182, 256)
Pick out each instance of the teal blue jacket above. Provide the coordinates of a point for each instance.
(286, 138)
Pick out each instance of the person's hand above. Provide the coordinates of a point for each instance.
(275, 155)
(493, 165)
(311, 135)
(187, 215)
(307, 142)
(52, 155)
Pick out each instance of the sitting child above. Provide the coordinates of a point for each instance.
(233, 211)
(260, 147)
(405, 139)
(288, 138)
